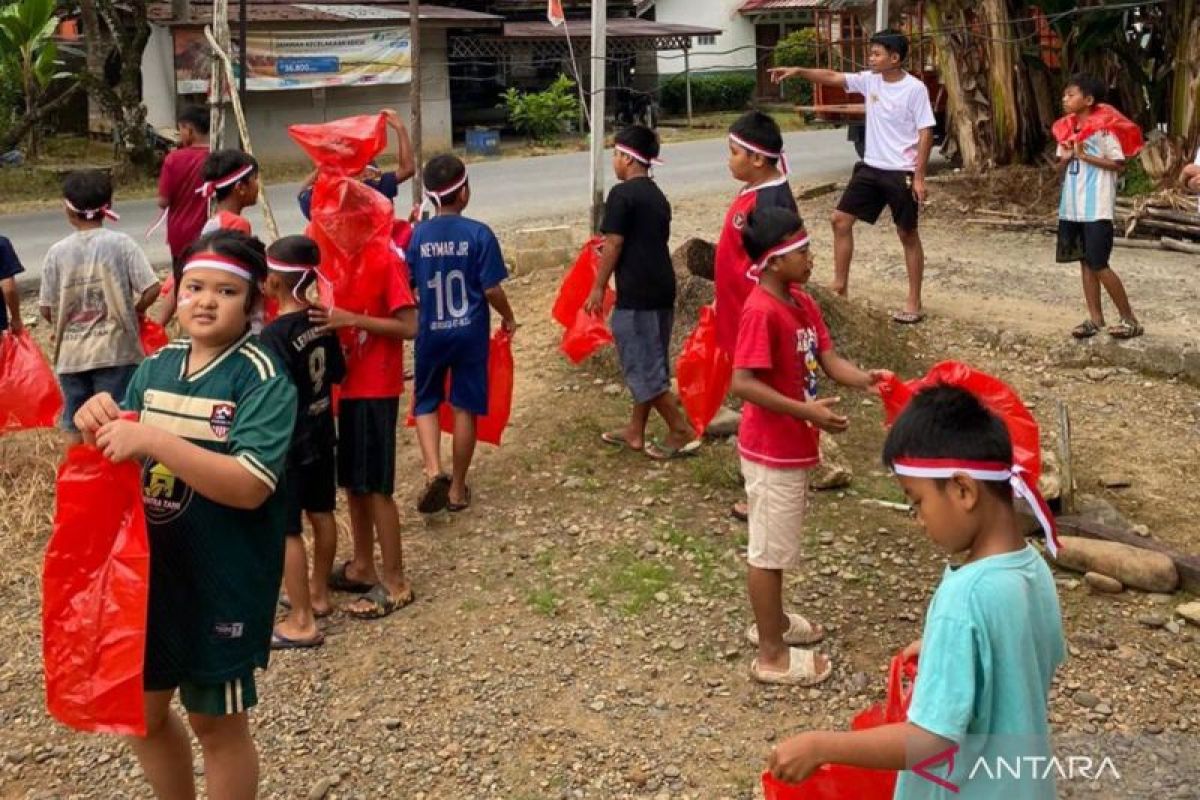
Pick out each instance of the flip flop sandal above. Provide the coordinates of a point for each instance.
(281, 642)
(436, 495)
(736, 511)
(908, 317)
(285, 603)
(802, 670)
(1085, 330)
(800, 632)
(661, 452)
(339, 582)
(454, 508)
(382, 603)
(1126, 329)
(617, 440)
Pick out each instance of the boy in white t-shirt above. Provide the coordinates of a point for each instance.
(900, 123)
(1191, 175)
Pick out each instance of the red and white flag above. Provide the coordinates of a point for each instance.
(554, 12)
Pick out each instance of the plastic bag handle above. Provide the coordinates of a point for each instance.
(898, 698)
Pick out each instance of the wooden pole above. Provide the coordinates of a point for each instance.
(687, 78)
(881, 15)
(599, 73)
(414, 96)
(216, 77)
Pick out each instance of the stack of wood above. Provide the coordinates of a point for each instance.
(1165, 220)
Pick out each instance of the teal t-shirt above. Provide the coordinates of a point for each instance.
(992, 641)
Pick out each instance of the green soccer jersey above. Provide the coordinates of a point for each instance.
(214, 570)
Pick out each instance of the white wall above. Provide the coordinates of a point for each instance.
(269, 113)
(737, 31)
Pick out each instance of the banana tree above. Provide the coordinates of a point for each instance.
(27, 47)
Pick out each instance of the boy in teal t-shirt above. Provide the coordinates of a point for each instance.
(993, 633)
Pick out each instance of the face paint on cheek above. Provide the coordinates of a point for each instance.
(185, 299)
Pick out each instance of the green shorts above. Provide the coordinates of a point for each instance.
(219, 699)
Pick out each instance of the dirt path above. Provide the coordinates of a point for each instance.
(578, 634)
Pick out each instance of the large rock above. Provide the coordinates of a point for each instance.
(724, 424)
(1190, 612)
(697, 257)
(1132, 566)
(834, 471)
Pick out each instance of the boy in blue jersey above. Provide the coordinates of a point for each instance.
(993, 634)
(456, 269)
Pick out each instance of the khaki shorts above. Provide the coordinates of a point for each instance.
(778, 500)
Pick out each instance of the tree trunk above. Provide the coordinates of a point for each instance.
(119, 33)
(1185, 86)
(20, 129)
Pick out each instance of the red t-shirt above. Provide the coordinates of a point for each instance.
(227, 221)
(375, 364)
(780, 342)
(177, 184)
(731, 265)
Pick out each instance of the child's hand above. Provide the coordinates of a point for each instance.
(822, 415)
(331, 319)
(795, 759)
(393, 118)
(912, 651)
(594, 304)
(1194, 184)
(123, 440)
(1079, 153)
(878, 376)
(98, 411)
(781, 74)
(509, 326)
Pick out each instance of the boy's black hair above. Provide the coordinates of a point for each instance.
(767, 227)
(1088, 86)
(949, 422)
(223, 163)
(196, 116)
(760, 129)
(893, 41)
(89, 190)
(299, 250)
(237, 246)
(442, 172)
(640, 138)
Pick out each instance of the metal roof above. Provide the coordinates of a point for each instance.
(764, 6)
(619, 28)
(324, 11)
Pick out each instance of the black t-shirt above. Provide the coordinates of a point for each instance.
(10, 266)
(314, 361)
(638, 211)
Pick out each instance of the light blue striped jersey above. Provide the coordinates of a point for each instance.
(1089, 193)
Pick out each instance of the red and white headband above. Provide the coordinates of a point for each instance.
(209, 188)
(437, 195)
(762, 151)
(284, 266)
(638, 156)
(798, 242)
(217, 262)
(91, 213)
(942, 468)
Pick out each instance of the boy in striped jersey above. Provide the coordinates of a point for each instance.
(1091, 164)
(215, 418)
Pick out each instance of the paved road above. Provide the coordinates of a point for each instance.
(504, 191)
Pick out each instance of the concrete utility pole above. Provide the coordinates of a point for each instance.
(881, 14)
(599, 71)
(414, 94)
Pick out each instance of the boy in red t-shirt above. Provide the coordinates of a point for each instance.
(366, 454)
(179, 198)
(781, 341)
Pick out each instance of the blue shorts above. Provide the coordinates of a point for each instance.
(644, 345)
(79, 387)
(467, 376)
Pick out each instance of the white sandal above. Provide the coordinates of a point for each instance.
(802, 670)
(800, 632)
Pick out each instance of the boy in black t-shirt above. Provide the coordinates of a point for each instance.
(10, 296)
(314, 361)
(636, 227)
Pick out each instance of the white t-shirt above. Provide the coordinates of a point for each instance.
(1089, 193)
(92, 280)
(896, 114)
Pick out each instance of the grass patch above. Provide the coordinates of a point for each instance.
(715, 468)
(703, 554)
(544, 601)
(629, 583)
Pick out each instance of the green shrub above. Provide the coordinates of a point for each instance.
(724, 91)
(1134, 180)
(797, 49)
(542, 116)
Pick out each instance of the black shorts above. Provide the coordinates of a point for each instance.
(1089, 242)
(310, 487)
(366, 454)
(871, 189)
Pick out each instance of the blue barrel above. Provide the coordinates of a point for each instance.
(483, 141)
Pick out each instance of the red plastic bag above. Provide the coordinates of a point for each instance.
(993, 392)
(95, 591)
(704, 372)
(577, 285)
(841, 782)
(153, 336)
(585, 336)
(490, 427)
(344, 146)
(1103, 118)
(29, 393)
